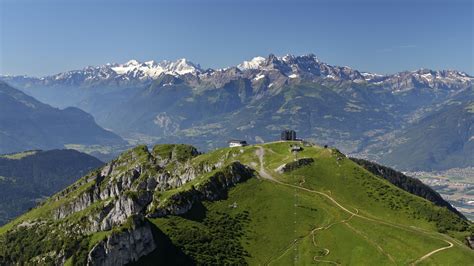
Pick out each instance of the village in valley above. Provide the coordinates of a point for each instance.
(455, 185)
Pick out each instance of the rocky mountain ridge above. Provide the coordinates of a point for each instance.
(276, 70)
(109, 216)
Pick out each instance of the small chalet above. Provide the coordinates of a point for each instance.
(237, 143)
(295, 148)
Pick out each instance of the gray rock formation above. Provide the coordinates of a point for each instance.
(470, 241)
(124, 247)
(121, 194)
(215, 188)
(288, 167)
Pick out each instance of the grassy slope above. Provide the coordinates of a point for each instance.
(19, 155)
(274, 223)
(282, 218)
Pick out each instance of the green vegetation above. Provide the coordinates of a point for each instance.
(33, 175)
(18, 156)
(177, 152)
(215, 240)
(329, 210)
(33, 239)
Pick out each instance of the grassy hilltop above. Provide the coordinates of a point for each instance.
(328, 210)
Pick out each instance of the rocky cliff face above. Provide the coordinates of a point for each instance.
(288, 167)
(214, 188)
(125, 246)
(138, 184)
(470, 241)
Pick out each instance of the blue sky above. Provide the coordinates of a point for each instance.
(39, 37)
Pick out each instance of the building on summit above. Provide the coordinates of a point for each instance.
(288, 135)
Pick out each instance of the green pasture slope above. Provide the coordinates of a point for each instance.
(332, 211)
(286, 221)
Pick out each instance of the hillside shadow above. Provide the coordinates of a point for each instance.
(166, 253)
(196, 213)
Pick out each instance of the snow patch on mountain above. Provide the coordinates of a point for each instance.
(259, 77)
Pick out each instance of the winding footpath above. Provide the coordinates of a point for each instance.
(450, 245)
(316, 258)
(260, 152)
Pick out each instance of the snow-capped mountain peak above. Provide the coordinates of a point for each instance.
(151, 69)
(254, 63)
(181, 66)
(132, 62)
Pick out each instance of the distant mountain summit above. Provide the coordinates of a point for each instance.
(153, 70)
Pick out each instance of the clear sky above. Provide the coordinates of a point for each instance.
(39, 37)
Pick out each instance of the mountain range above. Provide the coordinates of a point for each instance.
(380, 117)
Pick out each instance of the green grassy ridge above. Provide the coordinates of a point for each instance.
(19, 155)
(264, 213)
(266, 240)
(31, 176)
(178, 152)
(43, 213)
(331, 171)
(127, 161)
(46, 209)
(407, 242)
(412, 185)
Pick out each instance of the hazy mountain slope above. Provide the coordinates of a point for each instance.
(438, 139)
(28, 177)
(253, 205)
(442, 140)
(26, 123)
(329, 114)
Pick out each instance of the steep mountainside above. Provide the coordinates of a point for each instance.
(181, 102)
(28, 177)
(251, 205)
(26, 124)
(442, 139)
(412, 185)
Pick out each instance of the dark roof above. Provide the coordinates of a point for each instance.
(237, 141)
